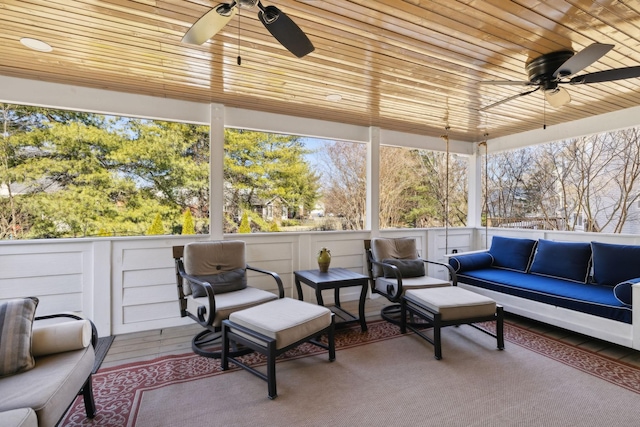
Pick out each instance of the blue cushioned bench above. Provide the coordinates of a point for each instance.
(581, 286)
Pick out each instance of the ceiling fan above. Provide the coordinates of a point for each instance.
(277, 22)
(549, 71)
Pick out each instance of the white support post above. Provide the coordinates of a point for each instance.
(474, 209)
(216, 172)
(635, 316)
(372, 221)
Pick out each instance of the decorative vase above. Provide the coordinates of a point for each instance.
(324, 259)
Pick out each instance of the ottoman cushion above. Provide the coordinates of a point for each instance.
(453, 302)
(286, 320)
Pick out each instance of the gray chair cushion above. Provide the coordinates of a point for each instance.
(221, 263)
(382, 248)
(23, 417)
(230, 302)
(407, 267)
(390, 285)
(50, 387)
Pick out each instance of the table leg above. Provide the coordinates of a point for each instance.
(299, 289)
(319, 297)
(363, 295)
(336, 295)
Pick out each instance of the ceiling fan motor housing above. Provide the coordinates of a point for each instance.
(541, 69)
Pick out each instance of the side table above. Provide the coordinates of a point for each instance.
(335, 279)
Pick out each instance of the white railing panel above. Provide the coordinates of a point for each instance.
(128, 284)
(57, 272)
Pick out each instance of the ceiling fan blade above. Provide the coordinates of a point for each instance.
(508, 99)
(607, 75)
(582, 59)
(285, 31)
(209, 24)
(558, 97)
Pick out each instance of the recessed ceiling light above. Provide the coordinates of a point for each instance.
(334, 97)
(36, 44)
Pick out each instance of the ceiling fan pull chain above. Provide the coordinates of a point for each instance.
(239, 59)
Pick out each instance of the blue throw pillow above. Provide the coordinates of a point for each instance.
(512, 253)
(562, 260)
(613, 264)
(622, 291)
(470, 262)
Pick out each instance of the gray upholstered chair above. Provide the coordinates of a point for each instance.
(394, 267)
(212, 283)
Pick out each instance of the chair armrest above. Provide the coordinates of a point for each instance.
(394, 297)
(202, 311)
(273, 274)
(452, 273)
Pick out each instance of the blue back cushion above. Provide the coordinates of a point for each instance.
(512, 253)
(562, 260)
(613, 264)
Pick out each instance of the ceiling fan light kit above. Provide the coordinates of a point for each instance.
(281, 27)
(550, 70)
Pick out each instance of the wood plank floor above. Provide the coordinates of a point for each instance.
(148, 345)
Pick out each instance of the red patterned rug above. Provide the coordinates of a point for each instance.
(118, 389)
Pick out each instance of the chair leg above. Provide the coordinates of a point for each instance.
(332, 341)
(500, 327)
(403, 316)
(87, 394)
(271, 370)
(224, 357)
(437, 345)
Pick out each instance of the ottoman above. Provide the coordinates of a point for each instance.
(450, 305)
(273, 328)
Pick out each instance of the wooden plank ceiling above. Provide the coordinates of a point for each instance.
(413, 65)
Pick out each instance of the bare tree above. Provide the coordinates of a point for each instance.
(593, 178)
(507, 172)
(343, 183)
(443, 193)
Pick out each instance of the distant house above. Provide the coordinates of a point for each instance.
(318, 211)
(276, 208)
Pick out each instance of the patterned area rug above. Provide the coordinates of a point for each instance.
(118, 389)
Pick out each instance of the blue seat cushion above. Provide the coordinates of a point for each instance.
(512, 253)
(562, 260)
(613, 264)
(588, 298)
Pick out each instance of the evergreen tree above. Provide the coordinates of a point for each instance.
(245, 227)
(157, 227)
(78, 173)
(260, 166)
(188, 226)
